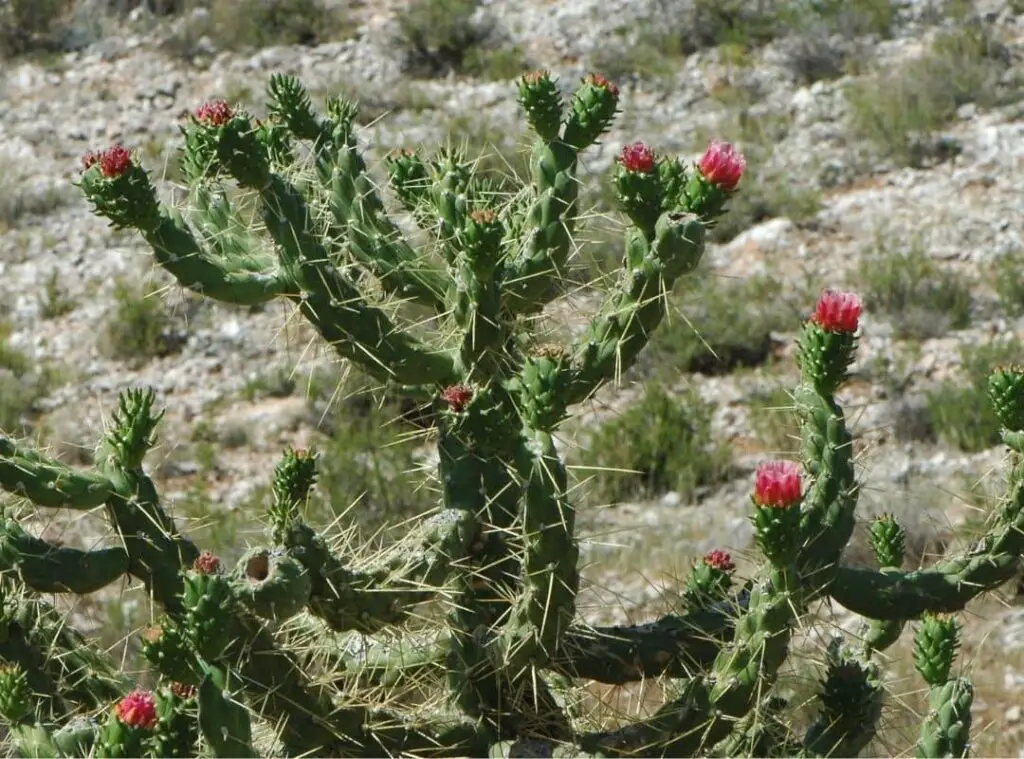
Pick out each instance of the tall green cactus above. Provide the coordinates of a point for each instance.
(305, 649)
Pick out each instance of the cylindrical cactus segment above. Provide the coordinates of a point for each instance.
(935, 647)
(850, 700)
(946, 730)
(889, 541)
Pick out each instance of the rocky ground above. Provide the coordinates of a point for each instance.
(960, 204)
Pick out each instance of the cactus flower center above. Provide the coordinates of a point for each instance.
(722, 165)
(138, 709)
(777, 484)
(837, 311)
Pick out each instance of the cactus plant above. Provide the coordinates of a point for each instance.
(301, 648)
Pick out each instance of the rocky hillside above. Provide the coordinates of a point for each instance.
(886, 149)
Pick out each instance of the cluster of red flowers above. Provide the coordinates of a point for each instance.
(114, 161)
(215, 112)
(720, 560)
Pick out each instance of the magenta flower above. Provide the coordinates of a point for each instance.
(837, 311)
(137, 709)
(637, 157)
(722, 165)
(777, 484)
(720, 560)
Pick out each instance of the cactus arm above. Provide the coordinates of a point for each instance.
(61, 667)
(550, 218)
(550, 579)
(850, 706)
(334, 305)
(47, 482)
(46, 568)
(223, 721)
(950, 584)
(541, 261)
(635, 307)
(674, 645)
(373, 239)
(946, 728)
(828, 512)
(383, 592)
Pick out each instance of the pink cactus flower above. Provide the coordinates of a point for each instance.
(138, 709)
(720, 560)
(722, 165)
(637, 157)
(777, 484)
(207, 564)
(837, 311)
(215, 112)
(457, 397)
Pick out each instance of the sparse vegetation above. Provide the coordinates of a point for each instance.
(55, 301)
(1007, 278)
(22, 385)
(661, 443)
(439, 37)
(959, 408)
(717, 324)
(31, 26)
(140, 327)
(919, 297)
(902, 108)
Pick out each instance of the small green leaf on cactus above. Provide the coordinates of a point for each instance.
(15, 704)
(540, 98)
(889, 540)
(935, 647)
(1006, 391)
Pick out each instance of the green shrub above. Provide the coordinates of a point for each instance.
(901, 109)
(31, 26)
(660, 443)
(717, 324)
(140, 327)
(438, 37)
(959, 409)
(1007, 278)
(22, 385)
(55, 301)
(921, 299)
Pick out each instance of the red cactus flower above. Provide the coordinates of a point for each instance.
(207, 564)
(457, 396)
(535, 77)
(777, 484)
(215, 112)
(599, 80)
(138, 709)
(837, 311)
(114, 161)
(720, 560)
(637, 157)
(722, 165)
